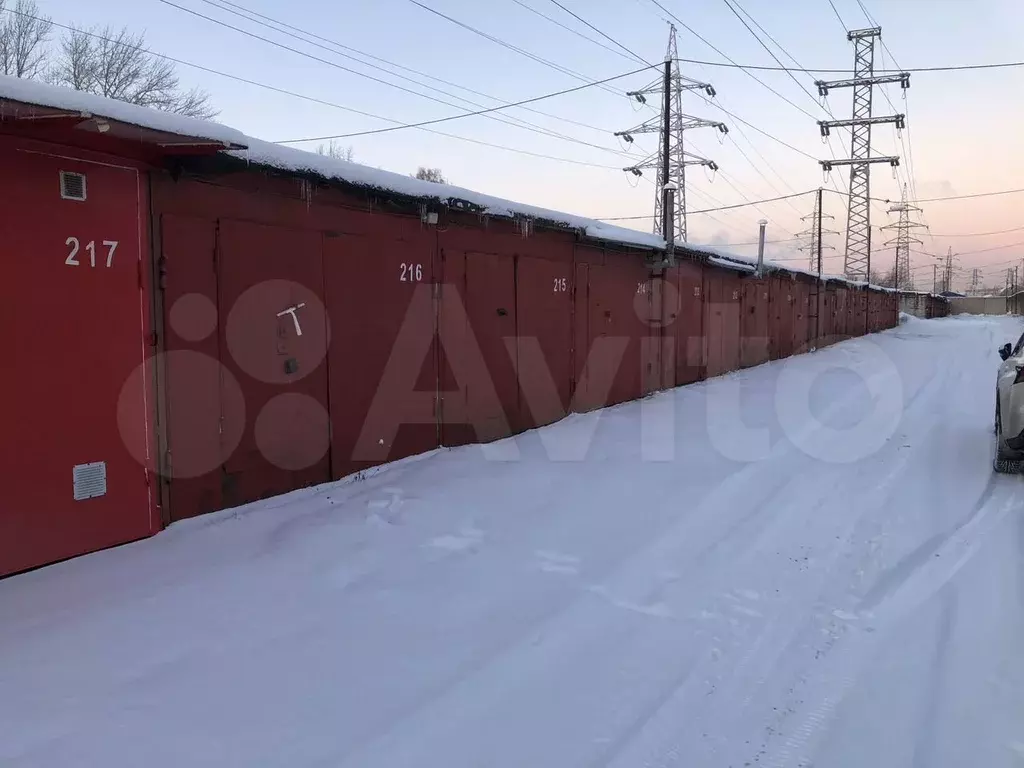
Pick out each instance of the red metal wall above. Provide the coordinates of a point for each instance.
(195, 390)
(544, 338)
(723, 292)
(613, 305)
(827, 331)
(479, 397)
(518, 295)
(279, 359)
(801, 314)
(781, 316)
(755, 327)
(74, 390)
(383, 357)
(684, 321)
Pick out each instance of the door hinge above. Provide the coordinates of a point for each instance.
(152, 338)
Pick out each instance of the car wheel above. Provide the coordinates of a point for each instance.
(1005, 463)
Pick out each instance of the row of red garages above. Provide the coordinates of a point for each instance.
(348, 338)
(200, 341)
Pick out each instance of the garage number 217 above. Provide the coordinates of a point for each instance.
(74, 246)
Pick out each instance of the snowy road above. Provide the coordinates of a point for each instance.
(835, 578)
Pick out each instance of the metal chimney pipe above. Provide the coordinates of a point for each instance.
(760, 247)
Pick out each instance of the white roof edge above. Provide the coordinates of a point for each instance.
(90, 105)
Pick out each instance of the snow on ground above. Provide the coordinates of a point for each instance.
(825, 573)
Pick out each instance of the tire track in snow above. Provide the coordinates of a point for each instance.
(779, 632)
(831, 684)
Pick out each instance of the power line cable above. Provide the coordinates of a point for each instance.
(611, 39)
(951, 197)
(771, 53)
(511, 120)
(335, 44)
(836, 11)
(980, 234)
(719, 51)
(486, 111)
(713, 210)
(509, 46)
(462, 115)
(567, 28)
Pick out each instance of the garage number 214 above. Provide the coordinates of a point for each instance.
(74, 246)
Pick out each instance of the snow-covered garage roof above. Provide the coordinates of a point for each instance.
(290, 159)
(22, 99)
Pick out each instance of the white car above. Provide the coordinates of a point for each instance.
(1010, 409)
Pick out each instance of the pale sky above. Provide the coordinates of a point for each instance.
(963, 126)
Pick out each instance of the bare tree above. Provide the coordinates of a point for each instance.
(335, 150)
(76, 62)
(24, 34)
(116, 64)
(430, 174)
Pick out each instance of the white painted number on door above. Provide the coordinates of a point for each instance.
(411, 273)
(73, 242)
(641, 288)
(90, 247)
(561, 285)
(111, 247)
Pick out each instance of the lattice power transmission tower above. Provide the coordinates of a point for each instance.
(975, 279)
(811, 235)
(904, 237)
(671, 159)
(947, 271)
(858, 221)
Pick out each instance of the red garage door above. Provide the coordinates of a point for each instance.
(687, 323)
(383, 354)
(544, 291)
(477, 322)
(273, 339)
(74, 314)
(754, 323)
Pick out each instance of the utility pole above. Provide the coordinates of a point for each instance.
(903, 240)
(935, 278)
(671, 159)
(858, 221)
(814, 233)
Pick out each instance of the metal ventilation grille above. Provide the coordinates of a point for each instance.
(72, 185)
(90, 480)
